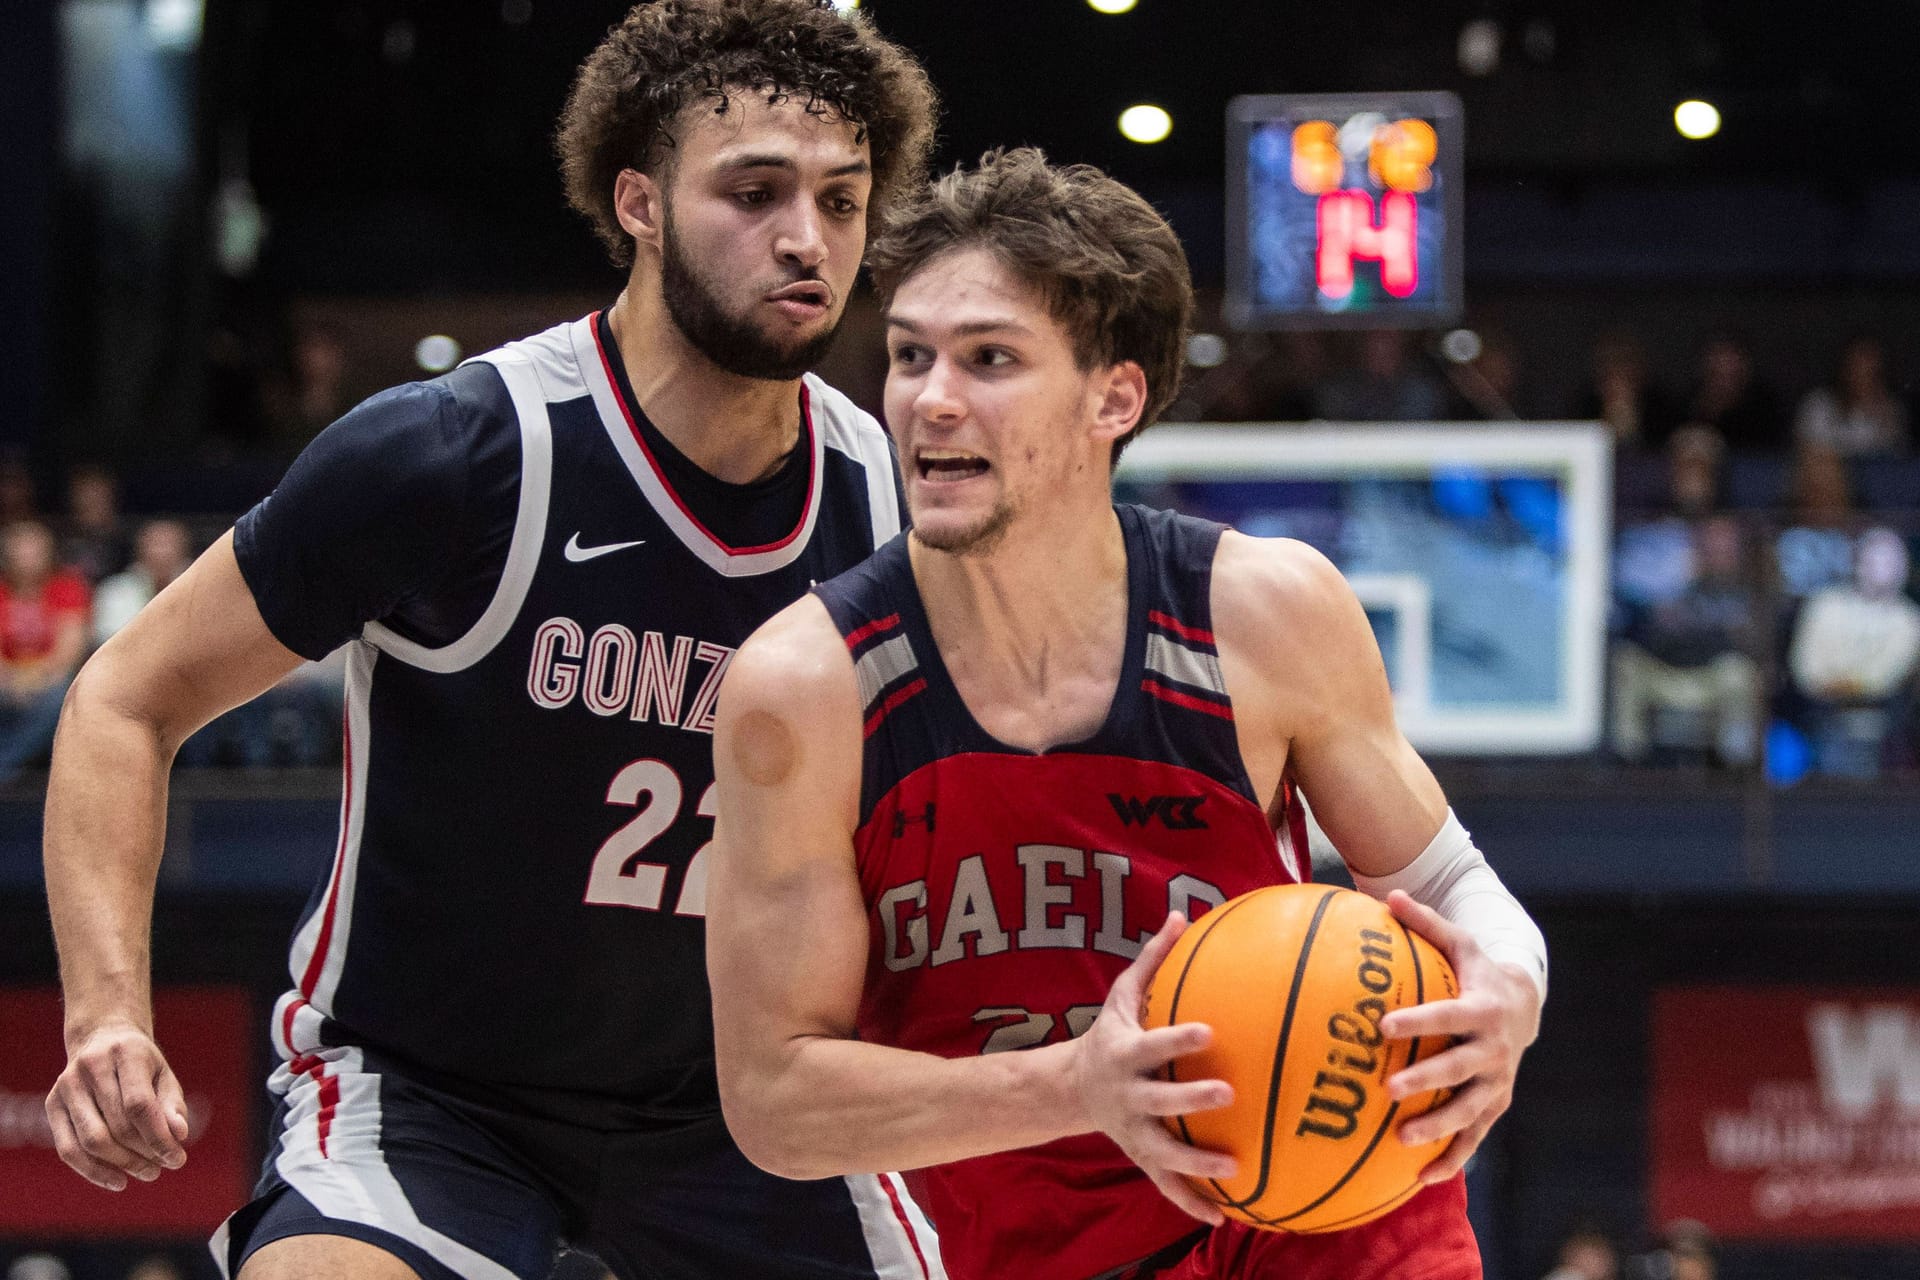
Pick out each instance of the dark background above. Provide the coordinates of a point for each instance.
(399, 152)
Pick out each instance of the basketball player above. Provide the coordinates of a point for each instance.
(498, 1037)
(964, 785)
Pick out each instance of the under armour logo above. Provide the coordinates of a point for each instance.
(902, 818)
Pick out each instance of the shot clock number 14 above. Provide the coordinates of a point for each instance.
(1344, 211)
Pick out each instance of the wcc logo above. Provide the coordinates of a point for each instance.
(1866, 1057)
(1176, 813)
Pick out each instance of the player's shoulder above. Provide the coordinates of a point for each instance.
(485, 396)
(1279, 592)
(443, 420)
(794, 664)
(1295, 571)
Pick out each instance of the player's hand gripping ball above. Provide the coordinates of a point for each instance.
(1294, 980)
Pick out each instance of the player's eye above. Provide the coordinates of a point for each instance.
(843, 206)
(753, 196)
(995, 357)
(907, 355)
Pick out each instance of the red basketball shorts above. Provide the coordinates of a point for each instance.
(1427, 1238)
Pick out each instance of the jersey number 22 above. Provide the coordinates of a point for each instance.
(619, 878)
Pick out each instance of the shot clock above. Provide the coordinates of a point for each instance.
(1344, 211)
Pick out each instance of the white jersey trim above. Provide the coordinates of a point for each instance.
(320, 947)
(520, 371)
(731, 562)
(851, 430)
(345, 1174)
(900, 1239)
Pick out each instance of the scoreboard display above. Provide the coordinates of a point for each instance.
(1344, 211)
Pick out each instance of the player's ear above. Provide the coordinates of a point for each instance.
(1120, 397)
(639, 201)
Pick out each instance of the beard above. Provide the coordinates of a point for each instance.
(733, 344)
(976, 540)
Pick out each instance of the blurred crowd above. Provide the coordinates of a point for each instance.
(108, 1263)
(71, 579)
(1684, 1250)
(1857, 410)
(1763, 612)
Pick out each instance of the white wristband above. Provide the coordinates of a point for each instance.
(1452, 877)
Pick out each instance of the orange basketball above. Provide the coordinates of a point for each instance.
(1294, 980)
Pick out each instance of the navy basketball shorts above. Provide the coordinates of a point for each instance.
(454, 1188)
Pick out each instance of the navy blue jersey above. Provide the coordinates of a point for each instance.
(539, 620)
(1006, 889)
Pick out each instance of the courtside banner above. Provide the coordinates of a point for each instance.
(1788, 1113)
(207, 1033)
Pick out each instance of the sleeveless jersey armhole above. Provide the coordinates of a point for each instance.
(523, 554)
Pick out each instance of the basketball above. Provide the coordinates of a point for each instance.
(1294, 980)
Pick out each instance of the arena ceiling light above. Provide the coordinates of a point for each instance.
(1696, 119)
(1144, 122)
(437, 353)
(175, 24)
(1206, 350)
(1111, 6)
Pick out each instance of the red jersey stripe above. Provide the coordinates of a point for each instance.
(1186, 700)
(906, 1223)
(806, 423)
(894, 699)
(286, 1022)
(878, 625)
(329, 1102)
(1179, 628)
(318, 960)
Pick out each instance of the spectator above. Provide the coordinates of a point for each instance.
(156, 1266)
(1858, 413)
(95, 538)
(1267, 377)
(1854, 652)
(1587, 1253)
(38, 1266)
(1686, 1253)
(1727, 396)
(163, 552)
(1684, 674)
(1696, 465)
(1622, 395)
(317, 392)
(1386, 386)
(17, 498)
(1492, 385)
(43, 637)
(1816, 548)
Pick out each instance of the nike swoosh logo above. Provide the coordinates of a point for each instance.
(576, 553)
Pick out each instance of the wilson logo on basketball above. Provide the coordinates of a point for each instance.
(1341, 1093)
(1310, 1124)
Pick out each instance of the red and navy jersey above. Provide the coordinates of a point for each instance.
(1007, 889)
(540, 598)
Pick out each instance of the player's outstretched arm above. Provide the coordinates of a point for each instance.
(198, 649)
(787, 947)
(1320, 689)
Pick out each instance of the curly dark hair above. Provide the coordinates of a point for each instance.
(1110, 268)
(627, 99)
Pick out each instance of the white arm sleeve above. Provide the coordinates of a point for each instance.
(1453, 878)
